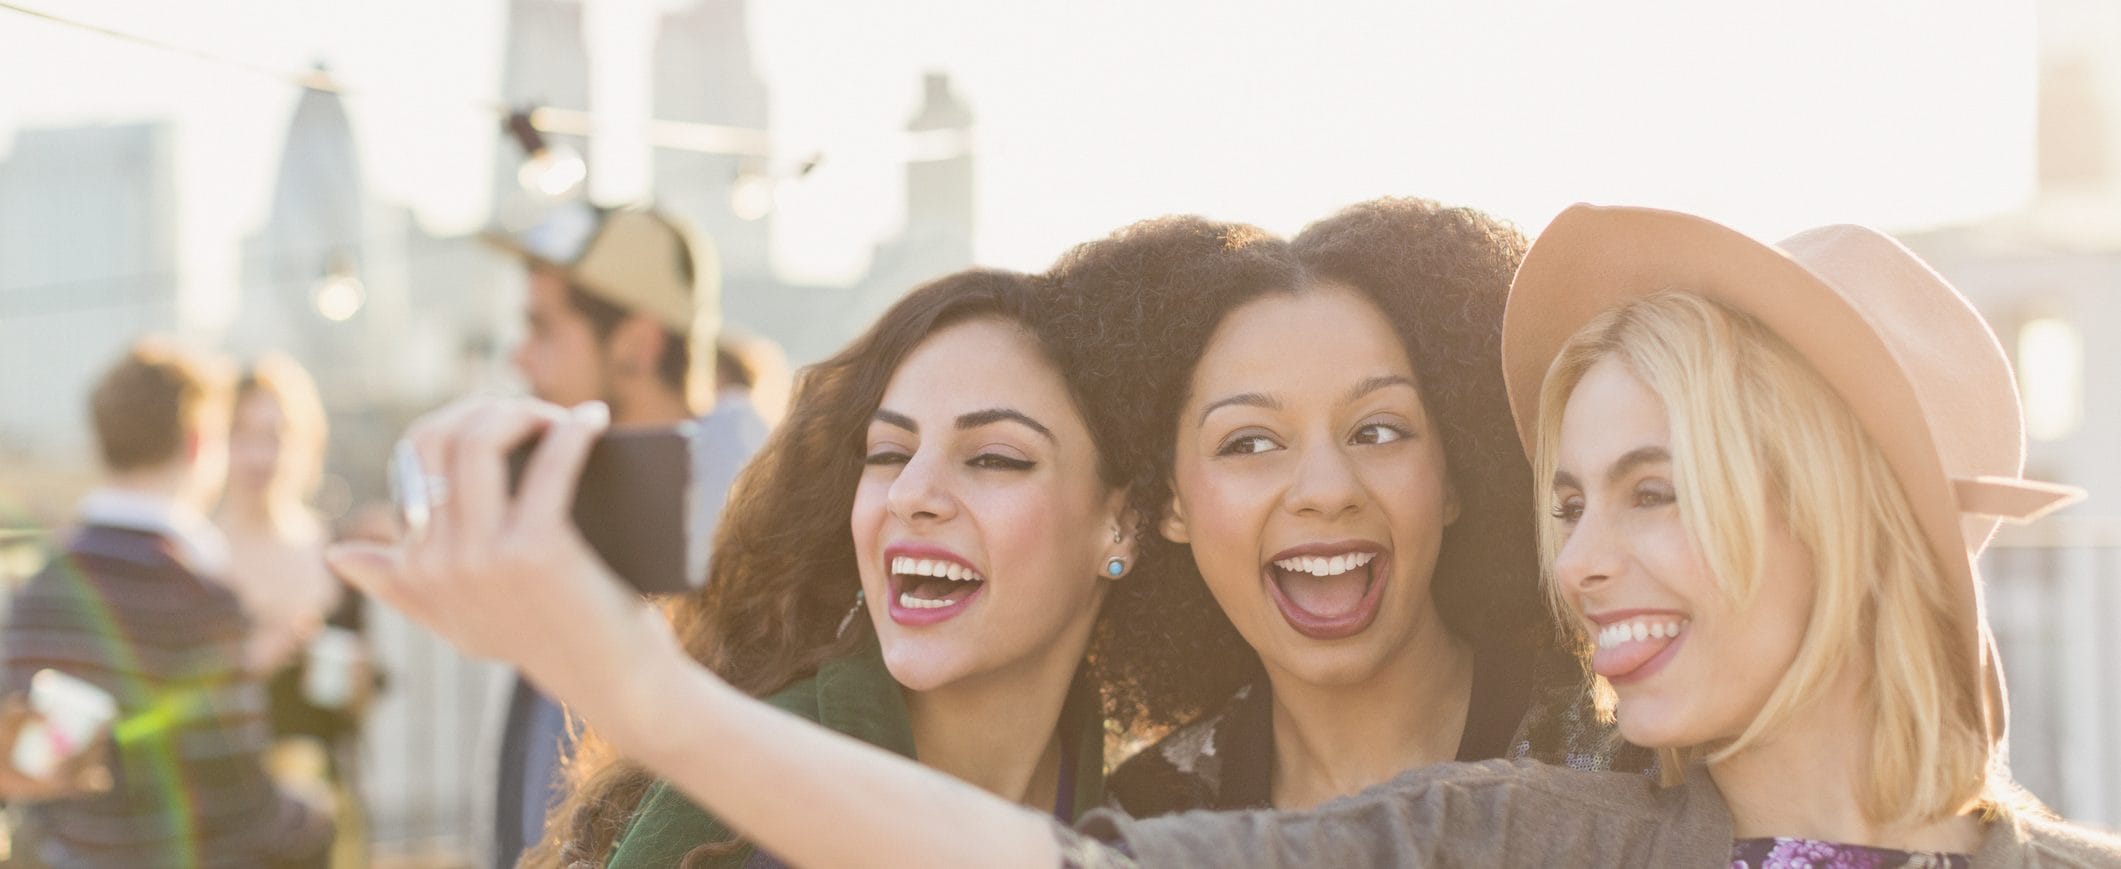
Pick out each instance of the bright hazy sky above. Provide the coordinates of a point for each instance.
(1095, 113)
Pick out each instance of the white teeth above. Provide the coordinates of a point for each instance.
(950, 570)
(1318, 566)
(907, 600)
(1638, 630)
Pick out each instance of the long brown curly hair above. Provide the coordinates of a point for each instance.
(1137, 310)
(784, 571)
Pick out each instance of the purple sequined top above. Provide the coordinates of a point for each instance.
(1786, 853)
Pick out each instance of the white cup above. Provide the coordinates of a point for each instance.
(70, 714)
(335, 657)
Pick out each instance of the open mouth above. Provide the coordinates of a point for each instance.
(925, 591)
(1328, 591)
(1635, 647)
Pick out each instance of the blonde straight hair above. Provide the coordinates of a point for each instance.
(1757, 435)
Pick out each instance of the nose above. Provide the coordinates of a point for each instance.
(921, 491)
(1325, 484)
(1589, 556)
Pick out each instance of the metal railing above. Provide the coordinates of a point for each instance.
(428, 749)
(2054, 600)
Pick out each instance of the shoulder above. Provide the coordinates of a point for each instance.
(664, 829)
(2028, 838)
(667, 825)
(1494, 812)
(1181, 771)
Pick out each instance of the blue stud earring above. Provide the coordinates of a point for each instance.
(1115, 566)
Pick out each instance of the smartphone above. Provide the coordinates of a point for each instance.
(632, 502)
(70, 714)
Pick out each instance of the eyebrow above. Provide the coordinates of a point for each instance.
(969, 421)
(994, 415)
(1634, 458)
(1377, 382)
(1242, 399)
(896, 419)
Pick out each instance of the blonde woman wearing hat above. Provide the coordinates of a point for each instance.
(1770, 470)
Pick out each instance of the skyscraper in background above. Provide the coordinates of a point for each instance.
(87, 262)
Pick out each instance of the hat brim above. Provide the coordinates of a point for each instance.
(1594, 258)
(508, 244)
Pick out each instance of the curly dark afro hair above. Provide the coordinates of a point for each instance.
(1131, 316)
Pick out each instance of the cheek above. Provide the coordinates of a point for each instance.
(1412, 491)
(1225, 517)
(866, 521)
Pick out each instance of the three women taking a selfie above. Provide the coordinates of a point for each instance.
(1264, 502)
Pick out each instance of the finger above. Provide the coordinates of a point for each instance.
(547, 493)
(478, 471)
(429, 437)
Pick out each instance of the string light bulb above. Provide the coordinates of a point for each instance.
(549, 168)
(339, 293)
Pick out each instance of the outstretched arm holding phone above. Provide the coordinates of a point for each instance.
(511, 579)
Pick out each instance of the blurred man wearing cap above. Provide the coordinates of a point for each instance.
(617, 299)
(622, 308)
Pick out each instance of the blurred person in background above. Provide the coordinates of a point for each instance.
(622, 307)
(137, 604)
(750, 392)
(305, 636)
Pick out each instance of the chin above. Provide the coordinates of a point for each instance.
(1344, 662)
(1649, 724)
(919, 666)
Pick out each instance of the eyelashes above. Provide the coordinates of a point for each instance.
(1370, 434)
(983, 461)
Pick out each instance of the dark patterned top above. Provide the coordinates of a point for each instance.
(1786, 853)
(1568, 725)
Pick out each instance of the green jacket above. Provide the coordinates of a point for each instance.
(854, 695)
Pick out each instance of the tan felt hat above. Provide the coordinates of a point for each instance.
(1907, 353)
(640, 260)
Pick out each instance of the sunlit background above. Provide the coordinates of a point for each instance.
(308, 176)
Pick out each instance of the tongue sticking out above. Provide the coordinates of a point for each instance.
(1627, 656)
(1324, 596)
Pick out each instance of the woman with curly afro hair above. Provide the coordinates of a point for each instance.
(1344, 581)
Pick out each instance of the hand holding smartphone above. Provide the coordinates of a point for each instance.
(55, 737)
(631, 502)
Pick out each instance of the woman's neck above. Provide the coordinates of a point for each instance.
(998, 732)
(1806, 782)
(1334, 740)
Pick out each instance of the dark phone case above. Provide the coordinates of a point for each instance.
(630, 504)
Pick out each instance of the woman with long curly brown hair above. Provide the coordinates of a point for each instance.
(1353, 590)
(917, 558)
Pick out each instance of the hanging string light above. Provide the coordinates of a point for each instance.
(550, 168)
(339, 293)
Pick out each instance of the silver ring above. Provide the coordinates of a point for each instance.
(412, 490)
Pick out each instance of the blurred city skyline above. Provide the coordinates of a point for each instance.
(1903, 115)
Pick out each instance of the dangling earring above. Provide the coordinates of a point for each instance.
(849, 618)
(1115, 566)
